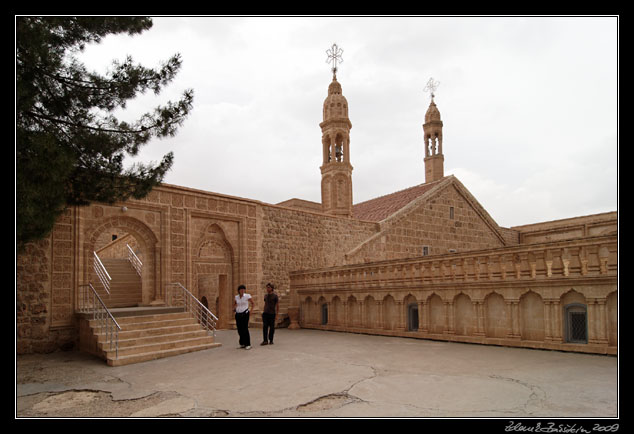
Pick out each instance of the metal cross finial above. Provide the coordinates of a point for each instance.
(431, 87)
(334, 56)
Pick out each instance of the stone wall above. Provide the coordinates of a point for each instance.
(208, 244)
(176, 230)
(118, 248)
(292, 239)
(45, 274)
(447, 222)
(513, 296)
(566, 229)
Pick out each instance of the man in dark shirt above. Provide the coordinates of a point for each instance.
(269, 314)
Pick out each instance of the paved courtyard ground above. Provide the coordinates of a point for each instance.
(317, 374)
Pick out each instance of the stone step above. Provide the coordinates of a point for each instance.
(151, 333)
(121, 300)
(144, 357)
(141, 315)
(159, 331)
(118, 265)
(144, 310)
(160, 346)
(161, 338)
(125, 279)
(117, 291)
(125, 284)
(131, 324)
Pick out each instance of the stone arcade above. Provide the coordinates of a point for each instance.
(426, 262)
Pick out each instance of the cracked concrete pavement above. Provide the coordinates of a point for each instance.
(310, 373)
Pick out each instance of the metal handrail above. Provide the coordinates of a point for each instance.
(192, 305)
(134, 260)
(101, 272)
(90, 302)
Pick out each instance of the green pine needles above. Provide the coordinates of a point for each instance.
(69, 147)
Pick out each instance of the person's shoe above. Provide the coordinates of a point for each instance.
(264, 343)
(242, 346)
(248, 347)
(271, 343)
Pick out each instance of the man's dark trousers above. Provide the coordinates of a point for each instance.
(268, 326)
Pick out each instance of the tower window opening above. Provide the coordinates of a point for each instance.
(432, 145)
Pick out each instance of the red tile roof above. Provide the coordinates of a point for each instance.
(380, 208)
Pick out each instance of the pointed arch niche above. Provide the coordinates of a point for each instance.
(214, 268)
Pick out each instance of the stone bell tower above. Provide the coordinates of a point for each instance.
(432, 129)
(336, 170)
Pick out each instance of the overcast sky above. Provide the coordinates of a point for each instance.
(529, 105)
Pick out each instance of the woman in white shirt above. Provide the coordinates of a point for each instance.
(242, 303)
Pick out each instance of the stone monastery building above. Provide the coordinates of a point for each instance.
(426, 262)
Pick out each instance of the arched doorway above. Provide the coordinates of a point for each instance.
(111, 236)
(213, 273)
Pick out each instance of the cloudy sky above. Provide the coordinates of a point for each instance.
(529, 105)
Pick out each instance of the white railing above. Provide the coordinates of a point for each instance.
(134, 260)
(91, 303)
(178, 295)
(101, 272)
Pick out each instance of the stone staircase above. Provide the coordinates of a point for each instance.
(148, 333)
(125, 287)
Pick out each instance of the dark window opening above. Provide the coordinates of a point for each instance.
(412, 317)
(324, 314)
(576, 324)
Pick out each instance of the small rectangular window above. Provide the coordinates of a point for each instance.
(578, 327)
(425, 250)
(451, 212)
